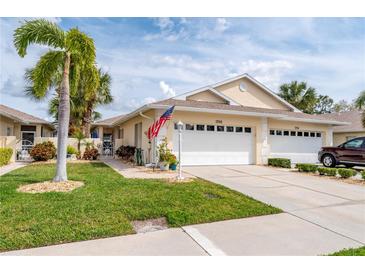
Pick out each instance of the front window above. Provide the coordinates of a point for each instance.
(220, 128)
(200, 127)
(210, 128)
(356, 143)
(239, 129)
(189, 127)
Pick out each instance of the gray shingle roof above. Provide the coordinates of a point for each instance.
(21, 116)
(353, 117)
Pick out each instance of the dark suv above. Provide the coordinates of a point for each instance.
(351, 153)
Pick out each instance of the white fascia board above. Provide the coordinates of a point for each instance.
(315, 121)
(222, 111)
(349, 131)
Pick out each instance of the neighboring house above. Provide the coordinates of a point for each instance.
(344, 133)
(20, 130)
(236, 121)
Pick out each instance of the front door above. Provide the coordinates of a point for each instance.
(353, 151)
(27, 140)
(108, 144)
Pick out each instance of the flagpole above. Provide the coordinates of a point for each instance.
(180, 127)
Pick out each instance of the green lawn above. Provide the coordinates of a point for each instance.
(350, 252)
(106, 204)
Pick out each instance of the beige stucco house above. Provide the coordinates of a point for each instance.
(344, 133)
(20, 130)
(235, 121)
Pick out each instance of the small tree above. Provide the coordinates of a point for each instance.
(79, 135)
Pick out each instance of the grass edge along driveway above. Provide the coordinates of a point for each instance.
(106, 204)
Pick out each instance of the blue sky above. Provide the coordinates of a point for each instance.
(155, 58)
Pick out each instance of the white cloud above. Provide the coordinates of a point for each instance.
(167, 90)
(221, 25)
(169, 31)
(268, 72)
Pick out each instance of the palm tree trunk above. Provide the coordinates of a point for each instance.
(87, 125)
(63, 123)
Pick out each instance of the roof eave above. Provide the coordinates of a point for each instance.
(315, 121)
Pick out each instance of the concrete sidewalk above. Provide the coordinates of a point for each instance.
(12, 166)
(279, 234)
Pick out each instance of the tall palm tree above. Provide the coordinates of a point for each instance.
(299, 96)
(71, 52)
(360, 100)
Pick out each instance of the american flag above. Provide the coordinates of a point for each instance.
(155, 127)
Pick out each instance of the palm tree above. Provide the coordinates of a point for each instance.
(84, 102)
(99, 96)
(299, 96)
(71, 51)
(360, 101)
(79, 135)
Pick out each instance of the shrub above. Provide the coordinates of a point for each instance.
(279, 162)
(90, 154)
(327, 171)
(363, 174)
(43, 151)
(306, 167)
(165, 154)
(172, 159)
(346, 172)
(5, 155)
(71, 150)
(126, 152)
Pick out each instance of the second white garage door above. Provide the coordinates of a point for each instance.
(215, 145)
(299, 146)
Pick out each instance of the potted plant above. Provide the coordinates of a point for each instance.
(173, 162)
(164, 155)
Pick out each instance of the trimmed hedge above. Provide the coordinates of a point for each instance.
(5, 155)
(327, 171)
(279, 162)
(306, 167)
(346, 172)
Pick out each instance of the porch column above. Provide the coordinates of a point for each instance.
(100, 132)
(265, 148)
(329, 137)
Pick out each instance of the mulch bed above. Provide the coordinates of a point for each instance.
(49, 186)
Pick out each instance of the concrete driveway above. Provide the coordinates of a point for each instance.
(321, 214)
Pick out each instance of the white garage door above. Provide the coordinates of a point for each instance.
(215, 145)
(299, 146)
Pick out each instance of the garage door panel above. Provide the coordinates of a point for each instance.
(298, 149)
(214, 148)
